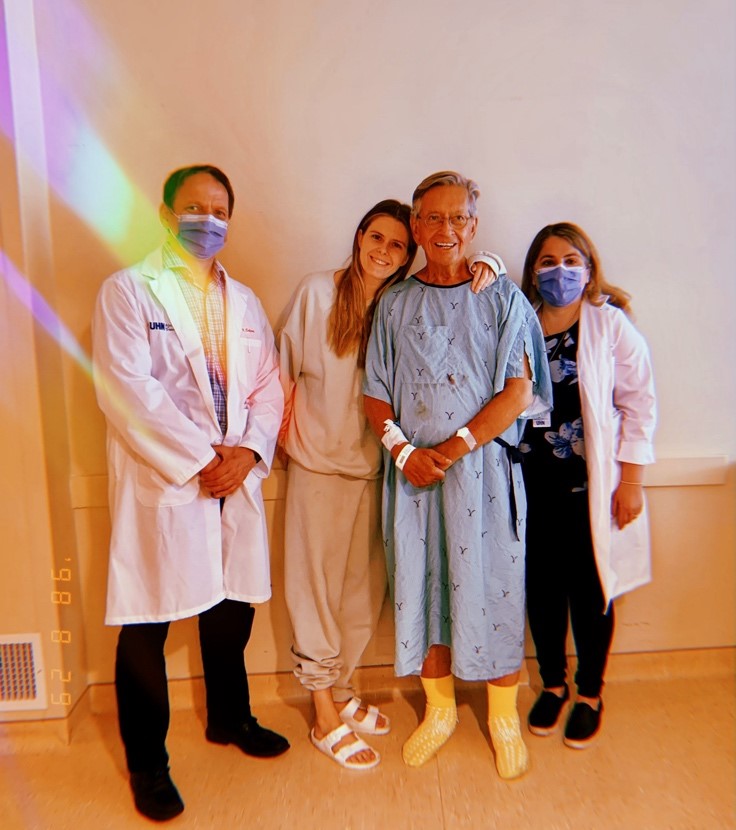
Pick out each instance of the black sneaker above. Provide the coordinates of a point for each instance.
(544, 717)
(583, 725)
(155, 795)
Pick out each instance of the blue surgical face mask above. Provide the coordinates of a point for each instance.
(559, 285)
(202, 236)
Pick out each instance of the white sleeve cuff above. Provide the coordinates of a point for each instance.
(493, 261)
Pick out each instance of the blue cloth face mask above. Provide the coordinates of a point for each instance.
(202, 236)
(560, 286)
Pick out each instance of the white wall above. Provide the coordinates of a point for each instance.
(616, 115)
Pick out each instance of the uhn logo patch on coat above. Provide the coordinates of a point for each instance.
(154, 326)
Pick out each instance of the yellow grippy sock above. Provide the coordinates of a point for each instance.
(440, 691)
(512, 757)
(440, 720)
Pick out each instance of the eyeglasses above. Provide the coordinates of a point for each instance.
(435, 220)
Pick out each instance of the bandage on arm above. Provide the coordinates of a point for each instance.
(392, 435)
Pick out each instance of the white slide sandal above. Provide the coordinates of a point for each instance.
(346, 752)
(368, 725)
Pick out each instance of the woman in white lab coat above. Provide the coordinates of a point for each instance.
(587, 529)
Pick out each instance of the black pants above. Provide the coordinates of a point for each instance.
(141, 684)
(561, 579)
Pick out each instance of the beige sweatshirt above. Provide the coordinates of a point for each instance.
(325, 428)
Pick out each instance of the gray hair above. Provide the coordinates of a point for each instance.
(441, 179)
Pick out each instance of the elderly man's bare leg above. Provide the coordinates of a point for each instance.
(440, 715)
(512, 757)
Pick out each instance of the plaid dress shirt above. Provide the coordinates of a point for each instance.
(207, 307)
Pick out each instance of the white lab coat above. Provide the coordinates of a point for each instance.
(619, 416)
(172, 555)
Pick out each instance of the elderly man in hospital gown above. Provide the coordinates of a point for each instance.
(187, 375)
(449, 375)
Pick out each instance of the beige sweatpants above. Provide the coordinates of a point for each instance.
(335, 574)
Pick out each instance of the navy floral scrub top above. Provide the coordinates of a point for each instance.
(555, 445)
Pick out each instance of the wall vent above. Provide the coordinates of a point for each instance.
(22, 677)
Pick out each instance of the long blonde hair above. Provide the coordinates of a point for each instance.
(349, 324)
(597, 291)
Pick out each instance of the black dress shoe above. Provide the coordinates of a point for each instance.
(155, 795)
(250, 737)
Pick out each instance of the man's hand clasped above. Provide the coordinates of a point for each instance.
(426, 466)
(227, 471)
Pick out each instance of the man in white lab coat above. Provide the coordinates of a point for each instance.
(187, 375)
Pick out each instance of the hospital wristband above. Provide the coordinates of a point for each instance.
(468, 437)
(392, 434)
(403, 455)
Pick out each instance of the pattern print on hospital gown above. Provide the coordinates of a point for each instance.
(454, 556)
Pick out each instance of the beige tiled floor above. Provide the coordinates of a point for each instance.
(664, 760)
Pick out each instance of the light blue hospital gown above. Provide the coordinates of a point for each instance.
(455, 557)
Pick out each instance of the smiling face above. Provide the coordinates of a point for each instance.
(383, 248)
(444, 245)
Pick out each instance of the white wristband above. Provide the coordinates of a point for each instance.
(468, 437)
(403, 455)
(392, 434)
